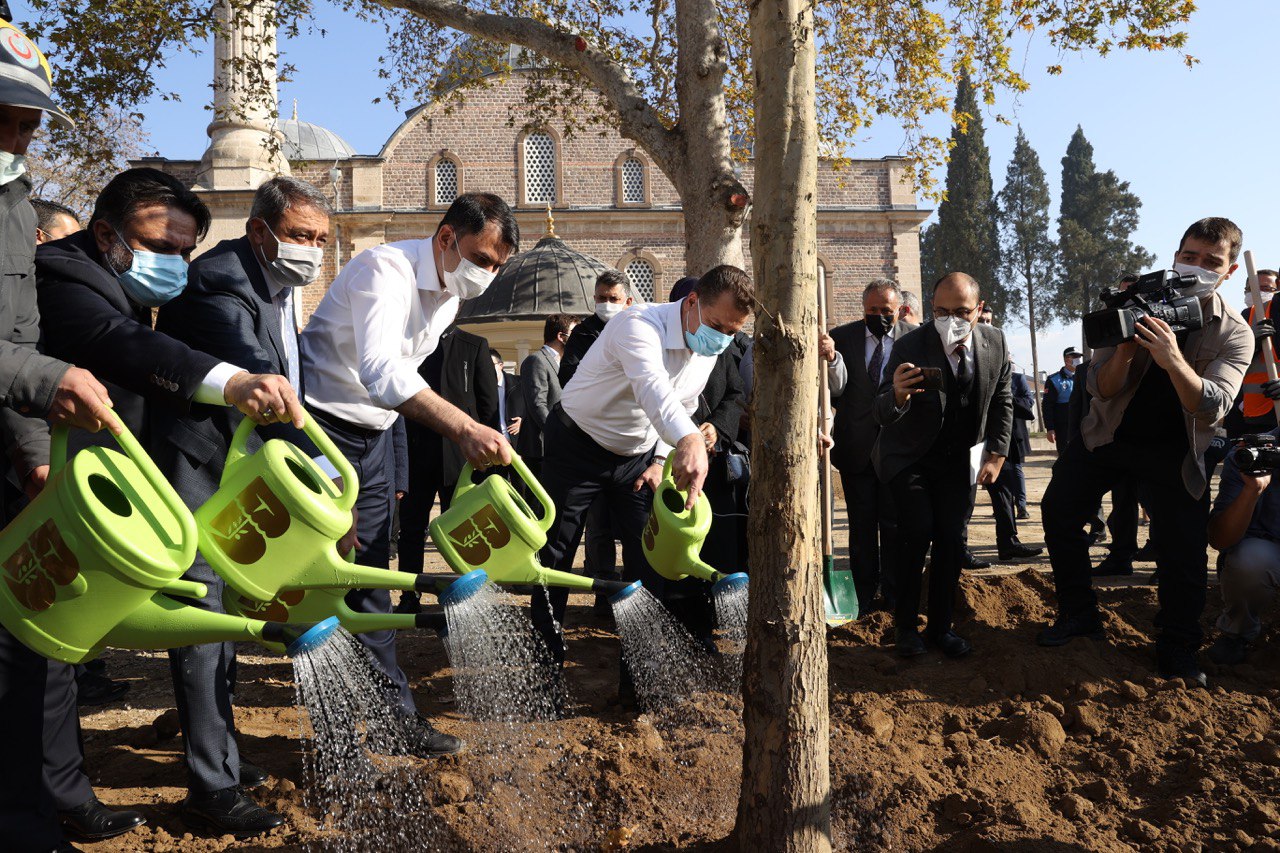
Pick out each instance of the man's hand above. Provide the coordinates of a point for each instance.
(826, 347)
(513, 428)
(990, 469)
(34, 484)
(264, 398)
(349, 543)
(709, 436)
(689, 466)
(1155, 336)
(905, 380)
(1264, 329)
(651, 477)
(484, 447)
(82, 401)
(1271, 389)
(1255, 485)
(1053, 436)
(825, 442)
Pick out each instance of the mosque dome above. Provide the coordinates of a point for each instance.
(306, 141)
(548, 279)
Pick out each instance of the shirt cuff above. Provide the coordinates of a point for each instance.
(326, 466)
(903, 408)
(213, 388)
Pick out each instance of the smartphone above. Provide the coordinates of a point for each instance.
(931, 379)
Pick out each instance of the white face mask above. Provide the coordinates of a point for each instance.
(294, 266)
(952, 330)
(467, 281)
(1265, 294)
(1074, 362)
(606, 311)
(1208, 280)
(12, 167)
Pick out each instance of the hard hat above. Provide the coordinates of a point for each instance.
(25, 78)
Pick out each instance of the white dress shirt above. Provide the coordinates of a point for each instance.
(886, 350)
(953, 356)
(639, 383)
(383, 315)
(552, 354)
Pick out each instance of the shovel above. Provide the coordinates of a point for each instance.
(838, 592)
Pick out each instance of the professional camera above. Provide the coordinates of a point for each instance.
(1156, 294)
(1256, 455)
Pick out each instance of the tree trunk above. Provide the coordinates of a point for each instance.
(1035, 351)
(785, 804)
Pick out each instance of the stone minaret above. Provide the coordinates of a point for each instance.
(244, 144)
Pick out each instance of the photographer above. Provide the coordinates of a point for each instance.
(1245, 527)
(1156, 399)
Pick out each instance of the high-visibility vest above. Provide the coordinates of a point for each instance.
(1256, 404)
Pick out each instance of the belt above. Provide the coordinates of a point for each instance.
(345, 425)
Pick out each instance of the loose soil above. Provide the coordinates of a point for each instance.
(1014, 748)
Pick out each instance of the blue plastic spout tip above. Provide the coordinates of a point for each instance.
(464, 587)
(315, 637)
(730, 583)
(626, 592)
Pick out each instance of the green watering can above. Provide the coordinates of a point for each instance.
(488, 525)
(92, 561)
(673, 537)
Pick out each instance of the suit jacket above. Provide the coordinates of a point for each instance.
(907, 435)
(512, 401)
(723, 399)
(467, 381)
(87, 319)
(580, 340)
(855, 429)
(1024, 409)
(540, 387)
(227, 312)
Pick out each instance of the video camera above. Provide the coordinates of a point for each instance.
(1156, 294)
(1256, 455)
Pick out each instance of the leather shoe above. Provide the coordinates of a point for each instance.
(95, 689)
(1015, 550)
(228, 811)
(92, 821)
(1068, 628)
(408, 603)
(973, 561)
(1097, 537)
(426, 741)
(909, 644)
(953, 645)
(1023, 515)
(1113, 566)
(251, 775)
(66, 847)
(1228, 650)
(1180, 663)
(1147, 553)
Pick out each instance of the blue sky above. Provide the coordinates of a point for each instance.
(1191, 142)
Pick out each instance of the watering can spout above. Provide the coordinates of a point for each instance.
(298, 638)
(163, 623)
(615, 590)
(452, 585)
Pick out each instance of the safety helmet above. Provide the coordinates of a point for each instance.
(25, 78)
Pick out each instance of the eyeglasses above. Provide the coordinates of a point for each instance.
(962, 313)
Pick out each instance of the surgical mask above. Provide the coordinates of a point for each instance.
(1265, 294)
(706, 341)
(152, 279)
(1208, 280)
(952, 330)
(606, 311)
(467, 281)
(12, 166)
(1074, 362)
(294, 266)
(879, 325)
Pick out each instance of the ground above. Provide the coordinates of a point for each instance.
(1014, 748)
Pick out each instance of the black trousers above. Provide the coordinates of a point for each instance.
(601, 551)
(575, 471)
(1020, 485)
(1122, 522)
(1003, 505)
(1178, 530)
(933, 498)
(370, 452)
(415, 508)
(873, 535)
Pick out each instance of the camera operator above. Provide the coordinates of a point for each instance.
(1156, 399)
(1245, 528)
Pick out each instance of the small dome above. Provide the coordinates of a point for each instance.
(548, 279)
(306, 141)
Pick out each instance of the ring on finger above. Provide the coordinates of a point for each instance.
(267, 413)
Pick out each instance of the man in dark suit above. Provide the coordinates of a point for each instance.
(1004, 491)
(923, 450)
(540, 386)
(510, 416)
(96, 292)
(865, 346)
(238, 306)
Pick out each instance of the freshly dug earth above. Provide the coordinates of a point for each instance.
(1015, 748)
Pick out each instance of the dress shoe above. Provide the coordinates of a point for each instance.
(1146, 554)
(1228, 650)
(95, 689)
(1097, 537)
(1015, 550)
(251, 775)
(973, 561)
(228, 811)
(1023, 515)
(1113, 566)
(1068, 628)
(92, 821)
(66, 847)
(1180, 663)
(952, 644)
(909, 644)
(408, 603)
(426, 741)
(601, 606)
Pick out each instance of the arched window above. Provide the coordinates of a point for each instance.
(641, 276)
(539, 168)
(632, 181)
(446, 181)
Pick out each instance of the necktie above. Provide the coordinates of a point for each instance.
(288, 336)
(963, 375)
(876, 366)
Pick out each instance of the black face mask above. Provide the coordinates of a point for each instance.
(879, 324)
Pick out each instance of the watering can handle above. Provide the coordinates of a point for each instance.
(129, 444)
(548, 509)
(669, 482)
(239, 450)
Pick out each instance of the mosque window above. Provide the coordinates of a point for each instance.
(539, 168)
(446, 181)
(642, 278)
(632, 181)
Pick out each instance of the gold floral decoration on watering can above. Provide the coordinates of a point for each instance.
(40, 563)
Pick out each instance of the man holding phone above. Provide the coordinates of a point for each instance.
(946, 389)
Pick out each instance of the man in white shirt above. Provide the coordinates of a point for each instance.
(628, 407)
(381, 318)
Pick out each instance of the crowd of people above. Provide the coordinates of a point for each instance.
(112, 323)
